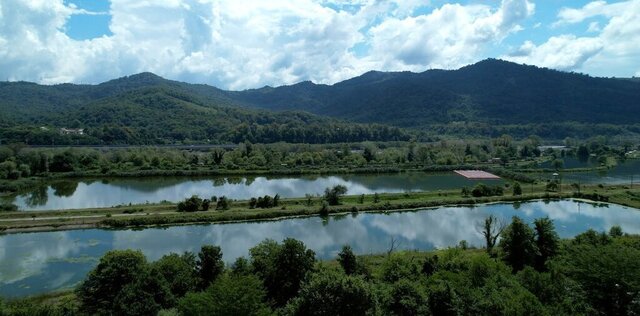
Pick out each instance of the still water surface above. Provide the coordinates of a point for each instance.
(32, 263)
(89, 193)
(74, 194)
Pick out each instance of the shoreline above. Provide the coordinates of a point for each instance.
(164, 215)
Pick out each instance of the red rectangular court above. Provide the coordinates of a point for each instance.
(476, 174)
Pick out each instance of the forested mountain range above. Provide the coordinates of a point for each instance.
(491, 91)
(147, 109)
(488, 98)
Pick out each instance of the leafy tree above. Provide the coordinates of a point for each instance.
(547, 242)
(582, 153)
(609, 273)
(376, 198)
(241, 266)
(223, 203)
(282, 268)
(465, 192)
(146, 295)
(407, 298)
(430, 265)
(397, 267)
(329, 293)
(616, 231)
(230, 295)
(442, 299)
(253, 202)
(324, 209)
(62, 162)
(348, 260)
(206, 204)
(209, 265)
(192, 204)
(483, 190)
(591, 237)
(517, 244)
(332, 195)
(179, 271)
(116, 269)
(517, 189)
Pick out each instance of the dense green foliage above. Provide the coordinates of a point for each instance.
(18, 162)
(332, 195)
(592, 274)
(146, 109)
(489, 98)
(484, 190)
(265, 201)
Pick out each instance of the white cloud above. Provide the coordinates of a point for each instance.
(594, 27)
(249, 44)
(615, 49)
(562, 52)
(594, 8)
(448, 37)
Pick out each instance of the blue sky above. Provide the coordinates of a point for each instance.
(252, 43)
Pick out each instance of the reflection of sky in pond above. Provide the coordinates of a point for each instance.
(38, 262)
(106, 193)
(623, 173)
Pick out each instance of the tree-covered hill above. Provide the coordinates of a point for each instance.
(491, 91)
(147, 109)
(489, 98)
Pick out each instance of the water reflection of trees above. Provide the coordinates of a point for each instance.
(64, 188)
(37, 197)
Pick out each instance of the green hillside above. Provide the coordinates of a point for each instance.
(146, 109)
(489, 97)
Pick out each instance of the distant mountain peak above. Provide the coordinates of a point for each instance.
(140, 79)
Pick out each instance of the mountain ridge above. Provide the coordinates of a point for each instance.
(478, 99)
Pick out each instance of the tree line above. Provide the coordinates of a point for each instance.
(530, 271)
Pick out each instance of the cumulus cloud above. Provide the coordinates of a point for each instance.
(248, 44)
(448, 37)
(612, 50)
(562, 52)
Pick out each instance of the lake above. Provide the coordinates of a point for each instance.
(624, 173)
(88, 193)
(32, 263)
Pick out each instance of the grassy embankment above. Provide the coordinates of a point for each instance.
(166, 214)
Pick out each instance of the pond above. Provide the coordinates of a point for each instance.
(33, 263)
(88, 193)
(624, 173)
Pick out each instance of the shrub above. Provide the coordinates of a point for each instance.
(192, 204)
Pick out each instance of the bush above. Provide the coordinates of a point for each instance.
(223, 203)
(517, 189)
(7, 207)
(330, 293)
(332, 195)
(481, 190)
(265, 202)
(192, 204)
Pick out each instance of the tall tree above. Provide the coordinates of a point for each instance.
(282, 268)
(348, 260)
(547, 242)
(210, 264)
(491, 229)
(517, 244)
(332, 195)
(116, 269)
